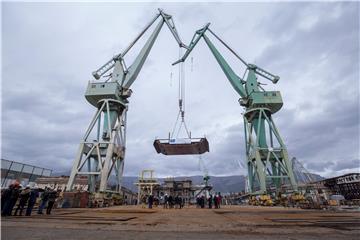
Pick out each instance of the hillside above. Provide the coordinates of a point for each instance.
(220, 184)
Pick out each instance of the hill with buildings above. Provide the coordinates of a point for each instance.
(224, 184)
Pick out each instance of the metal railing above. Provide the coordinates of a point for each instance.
(12, 170)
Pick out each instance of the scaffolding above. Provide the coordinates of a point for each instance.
(146, 184)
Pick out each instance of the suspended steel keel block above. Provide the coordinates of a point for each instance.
(182, 146)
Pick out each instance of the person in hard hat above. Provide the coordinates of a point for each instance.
(11, 201)
(44, 200)
(24, 196)
(34, 194)
(166, 201)
(51, 200)
(5, 196)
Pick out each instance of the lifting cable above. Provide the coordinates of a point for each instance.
(181, 99)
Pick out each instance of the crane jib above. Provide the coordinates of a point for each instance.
(166, 18)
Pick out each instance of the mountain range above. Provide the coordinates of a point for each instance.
(223, 184)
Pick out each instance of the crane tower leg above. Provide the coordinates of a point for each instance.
(267, 157)
(102, 150)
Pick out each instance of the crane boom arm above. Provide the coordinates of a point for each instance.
(170, 23)
(126, 76)
(111, 63)
(198, 34)
(235, 81)
(138, 63)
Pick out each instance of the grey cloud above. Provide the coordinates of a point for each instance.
(50, 50)
(327, 49)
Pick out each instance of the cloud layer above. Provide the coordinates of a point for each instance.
(50, 50)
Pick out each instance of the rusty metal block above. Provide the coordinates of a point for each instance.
(195, 146)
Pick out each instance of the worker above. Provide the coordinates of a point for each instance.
(143, 201)
(219, 199)
(150, 201)
(34, 194)
(216, 201)
(51, 200)
(11, 201)
(60, 198)
(210, 200)
(176, 201)
(202, 201)
(166, 201)
(180, 202)
(24, 197)
(44, 200)
(5, 196)
(197, 202)
(171, 201)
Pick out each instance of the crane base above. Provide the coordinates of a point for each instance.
(193, 146)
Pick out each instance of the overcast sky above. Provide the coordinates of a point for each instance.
(50, 49)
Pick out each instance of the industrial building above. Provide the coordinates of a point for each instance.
(149, 185)
(81, 184)
(347, 185)
(183, 188)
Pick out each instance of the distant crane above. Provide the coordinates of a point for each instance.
(242, 166)
(206, 187)
(205, 171)
(302, 175)
(102, 149)
(266, 154)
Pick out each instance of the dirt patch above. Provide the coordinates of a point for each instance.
(271, 222)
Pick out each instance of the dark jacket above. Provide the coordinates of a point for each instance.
(52, 196)
(34, 194)
(6, 193)
(14, 195)
(45, 195)
(24, 195)
(151, 199)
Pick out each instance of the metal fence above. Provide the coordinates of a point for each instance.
(24, 173)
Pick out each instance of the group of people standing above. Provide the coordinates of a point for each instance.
(173, 202)
(211, 201)
(26, 197)
(168, 201)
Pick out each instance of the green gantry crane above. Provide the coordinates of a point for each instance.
(102, 148)
(266, 154)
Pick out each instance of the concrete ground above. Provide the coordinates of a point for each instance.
(229, 222)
